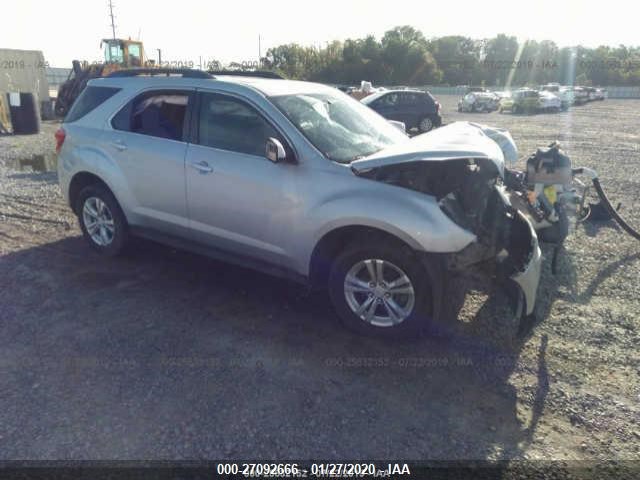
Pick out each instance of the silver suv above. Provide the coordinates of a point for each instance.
(300, 180)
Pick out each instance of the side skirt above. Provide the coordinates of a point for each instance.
(218, 254)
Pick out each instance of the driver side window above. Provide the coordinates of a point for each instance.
(230, 124)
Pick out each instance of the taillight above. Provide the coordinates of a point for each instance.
(60, 136)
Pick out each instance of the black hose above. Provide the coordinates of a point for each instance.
(612, 211)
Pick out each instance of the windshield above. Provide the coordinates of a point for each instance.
(113, 53)
(340, 127)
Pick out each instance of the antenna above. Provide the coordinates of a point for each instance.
(113, 25)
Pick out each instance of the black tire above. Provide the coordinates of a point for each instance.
(60, 109)
(422, 127)
(120, 235)
(421, 274)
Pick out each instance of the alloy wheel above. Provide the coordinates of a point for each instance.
(379, 292)
(426, 124)
(98, 221)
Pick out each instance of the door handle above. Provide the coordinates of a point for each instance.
(202, 167)
(119, 145)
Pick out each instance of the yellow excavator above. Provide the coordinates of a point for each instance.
(118, 54)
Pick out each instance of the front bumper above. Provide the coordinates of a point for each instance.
(512, 248)
(528, 279)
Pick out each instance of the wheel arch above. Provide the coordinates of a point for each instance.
(79, 181)
(333, 241)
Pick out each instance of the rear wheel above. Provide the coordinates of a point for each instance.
(425, 125)
(103, 224)
(60, 109)
(382, 290)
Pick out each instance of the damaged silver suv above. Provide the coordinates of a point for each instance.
(295, 179)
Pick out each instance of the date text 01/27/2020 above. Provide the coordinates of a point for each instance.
(295, 470)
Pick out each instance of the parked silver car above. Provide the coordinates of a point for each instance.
(479, 101)
(300, 180)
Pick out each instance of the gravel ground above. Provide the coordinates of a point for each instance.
(166, 355)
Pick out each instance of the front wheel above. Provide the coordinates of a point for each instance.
(382, 290)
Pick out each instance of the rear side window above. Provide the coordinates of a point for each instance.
(412, 98)
(90, 98)
(157, 114)
(427, 98)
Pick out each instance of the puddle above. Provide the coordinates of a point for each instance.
(36, 163)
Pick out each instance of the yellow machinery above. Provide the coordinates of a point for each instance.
(118, 54)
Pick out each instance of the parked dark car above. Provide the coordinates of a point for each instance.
(415, 108)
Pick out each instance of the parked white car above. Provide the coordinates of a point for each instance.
(549, 102)
(565, 94)
(580, 95)
(600, 94)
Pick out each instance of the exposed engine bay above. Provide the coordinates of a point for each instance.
(472, 194)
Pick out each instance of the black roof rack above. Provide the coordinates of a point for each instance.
(185, 72)
(247, 73)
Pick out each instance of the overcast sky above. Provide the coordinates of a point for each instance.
(228, 31)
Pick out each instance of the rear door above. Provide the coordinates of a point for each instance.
(414, 107)
(148, 141)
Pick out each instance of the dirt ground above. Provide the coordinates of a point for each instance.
(167, 355)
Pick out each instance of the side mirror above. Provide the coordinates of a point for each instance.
(275, 151)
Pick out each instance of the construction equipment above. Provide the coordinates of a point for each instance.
(118, 54)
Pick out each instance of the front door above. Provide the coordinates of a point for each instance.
(238, 200)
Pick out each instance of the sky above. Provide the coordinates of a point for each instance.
(190, 30)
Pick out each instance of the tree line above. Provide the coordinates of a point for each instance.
(404, 56)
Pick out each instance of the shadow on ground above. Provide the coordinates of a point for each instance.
(164, 354)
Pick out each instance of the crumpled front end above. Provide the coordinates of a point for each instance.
(462, 166)
(506, 241)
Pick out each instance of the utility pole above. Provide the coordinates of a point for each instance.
(113, 25)
(259, 50)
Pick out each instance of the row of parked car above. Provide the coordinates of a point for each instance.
(552, 97)
(419, 110)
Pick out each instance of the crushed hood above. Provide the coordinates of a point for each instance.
(459, 140)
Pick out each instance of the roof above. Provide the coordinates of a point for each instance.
(273, 87)
(376, 95)
(267, 86)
